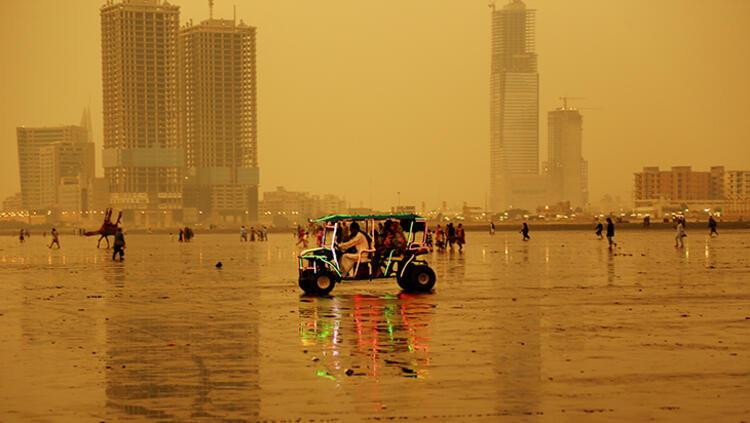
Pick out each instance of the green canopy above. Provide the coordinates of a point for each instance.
(338, 217)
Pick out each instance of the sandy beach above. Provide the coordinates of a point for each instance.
(555, 329)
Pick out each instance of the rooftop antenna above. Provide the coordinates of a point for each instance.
(210, 9)
(566, 98)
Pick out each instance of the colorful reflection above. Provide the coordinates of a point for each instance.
(367, 335)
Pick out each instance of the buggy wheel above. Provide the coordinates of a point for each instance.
(418, 278)
(323, 283)
(305, 281)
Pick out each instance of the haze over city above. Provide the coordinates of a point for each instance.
(401, 88)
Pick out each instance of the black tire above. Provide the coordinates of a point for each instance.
(305, 281)
(417, 278)
(320, 283)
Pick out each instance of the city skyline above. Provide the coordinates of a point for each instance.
(327, 115)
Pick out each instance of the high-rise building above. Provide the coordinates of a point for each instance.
(514, 109)
(566, 168)
(48, 154)
(218, 123)
(142, 157)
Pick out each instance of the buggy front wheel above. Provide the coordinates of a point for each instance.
(320, 283)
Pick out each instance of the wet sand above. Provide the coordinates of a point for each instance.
(555, 329)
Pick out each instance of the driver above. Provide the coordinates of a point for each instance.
(359, 241)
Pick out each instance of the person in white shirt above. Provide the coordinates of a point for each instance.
(680, 233)
(359, 241)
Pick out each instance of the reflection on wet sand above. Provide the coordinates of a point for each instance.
(388, 334)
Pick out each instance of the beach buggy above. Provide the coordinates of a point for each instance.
(320, 269)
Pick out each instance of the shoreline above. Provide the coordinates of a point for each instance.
(471, 227)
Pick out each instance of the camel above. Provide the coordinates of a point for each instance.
(107, 229)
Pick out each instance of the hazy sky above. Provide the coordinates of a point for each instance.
(400, 88)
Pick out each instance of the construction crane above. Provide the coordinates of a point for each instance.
(565, 100)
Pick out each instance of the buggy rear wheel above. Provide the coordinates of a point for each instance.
(417, 278)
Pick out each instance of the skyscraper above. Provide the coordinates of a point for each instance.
(142, 159)
(565, 165)
(46, 155)
(218, 118)
(514, 109)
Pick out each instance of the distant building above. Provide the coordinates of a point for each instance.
(716, 189)
(218, 122)
(13, 203)
(681, 183)
(568, 172)
(48, 154)
(514, 109)
(736, 184)
(142, 159)
(287, 207)
(98, 195)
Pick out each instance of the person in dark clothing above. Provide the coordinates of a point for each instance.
(451, 235)
(599, 229)
(712, 226)
(611, 234)
(525, 231)
(119, 245)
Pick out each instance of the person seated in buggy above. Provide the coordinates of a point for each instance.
(390, 243)
(353, 249)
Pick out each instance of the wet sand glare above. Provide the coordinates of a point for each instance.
(556, 329)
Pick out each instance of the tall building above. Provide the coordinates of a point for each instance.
(218, 121)
(568, 181)
(46, 155)
(142, 158)
(514, 109)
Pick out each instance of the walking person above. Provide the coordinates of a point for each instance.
(119, 245)
(492, 228)
(243, 234)
(21, 236)
(678, 243)
(460, 237)
(55, 239)
(712, 226)
(451, 235)
(599, 229)
(525, 231)
(440, 238)
(611, 234)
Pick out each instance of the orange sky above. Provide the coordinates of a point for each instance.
(400, 88)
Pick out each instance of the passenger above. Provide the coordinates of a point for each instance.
(396, 241)
(359, 242)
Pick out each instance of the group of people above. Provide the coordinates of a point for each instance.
(446, 238)
(260, 234)
(679, 222)
(389, 241)
(185, 234)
